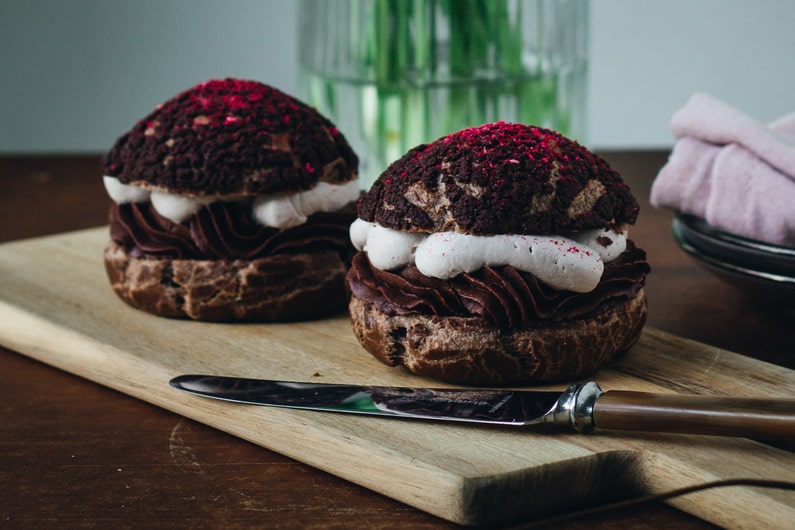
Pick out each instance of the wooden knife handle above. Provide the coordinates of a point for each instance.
(761, 419)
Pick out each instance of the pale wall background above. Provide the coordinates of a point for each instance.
(74, 75)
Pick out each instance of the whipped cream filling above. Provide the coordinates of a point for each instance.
(285, 211)
(277, 211)
(574, 262)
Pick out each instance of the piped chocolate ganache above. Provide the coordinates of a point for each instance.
(472, 186)
(224, 230)
(503, 296)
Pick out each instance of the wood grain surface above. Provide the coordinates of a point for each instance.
(76, 454)
(56, 306)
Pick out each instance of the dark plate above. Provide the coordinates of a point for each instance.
(740, 261)
(733, 249)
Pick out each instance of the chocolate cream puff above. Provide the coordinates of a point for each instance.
(231, 202)
(497, 255)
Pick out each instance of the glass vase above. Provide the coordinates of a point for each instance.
(392, 74)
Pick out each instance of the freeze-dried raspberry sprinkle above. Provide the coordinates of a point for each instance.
(232, 136)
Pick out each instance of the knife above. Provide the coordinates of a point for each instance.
(581, 407)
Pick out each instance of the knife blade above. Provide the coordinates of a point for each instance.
(579, 408)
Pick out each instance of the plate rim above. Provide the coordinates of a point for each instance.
(749, 273)
(701, 226)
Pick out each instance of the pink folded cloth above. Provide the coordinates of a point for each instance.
(736, 173)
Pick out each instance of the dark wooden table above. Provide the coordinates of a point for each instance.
(75, 454)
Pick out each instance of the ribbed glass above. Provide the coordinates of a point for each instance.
(393, 74)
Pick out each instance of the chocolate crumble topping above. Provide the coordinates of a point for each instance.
(499, 178)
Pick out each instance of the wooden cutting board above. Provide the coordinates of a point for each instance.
(57, 306)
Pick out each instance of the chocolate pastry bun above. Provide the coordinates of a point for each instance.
(497, 255)
(231, 202)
